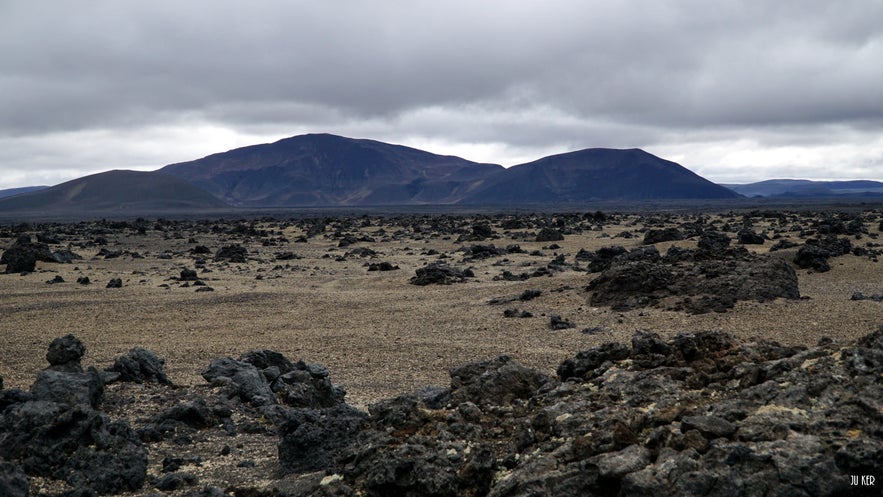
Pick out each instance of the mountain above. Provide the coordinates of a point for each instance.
(114, 191)
(11, 192)
(326, 170)
(808, 188)
(596, 174)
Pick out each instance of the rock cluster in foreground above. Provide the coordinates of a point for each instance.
(699, 414)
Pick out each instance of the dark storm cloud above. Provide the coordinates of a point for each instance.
(521, 74)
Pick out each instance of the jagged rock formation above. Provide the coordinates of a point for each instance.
(697, 414)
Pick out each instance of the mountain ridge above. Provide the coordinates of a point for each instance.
(114, 190)
(324, 169)
(809, 188)
(598, 174)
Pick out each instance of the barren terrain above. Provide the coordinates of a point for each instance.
(301, 293)
(378, 334)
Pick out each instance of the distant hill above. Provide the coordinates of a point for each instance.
(808, 188)
(596, 174)
(18, 191)
(330, 170)
(322, 170)
(114, 191)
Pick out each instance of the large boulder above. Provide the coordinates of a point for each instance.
(652, 236)
(697, 414)
(312, 439)
(232, 253)
(65, 353)
(69, 388)
(694, 284)
(140, 366)
(23, 255)
(242, 379)
(440, 274)
(76, 444)
(495, 381)
(814, 254)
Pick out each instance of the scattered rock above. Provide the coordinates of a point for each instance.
(694, 286)
(115, 283)
(175, 481)
(232, 253)
(748, 237)
(63, 387)
(549, 235)
(140, 366)
(188, 275)
(652, 236)
(440, 274)
(860, 296)
(65, 353)
(559, 323)
(814, 254)
(382, 266)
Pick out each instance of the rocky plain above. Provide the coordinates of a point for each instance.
(719, 354)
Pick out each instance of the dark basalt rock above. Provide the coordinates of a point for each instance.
(440, 274)
(73, 443)
(713, 243)
(13, 481)
(23, 255)
(232, 253)
(814, 254)
(700, 421)
(549, 235)
(242, 379)
(114, 283)
(311, 440)
(382, 266)
(175, 481)
(188, 275)
(693, 283)
(64, 387)
(748, 237)
(140, 366)
(64, 353)
(495, 381)
(592, 362)
(652, 236)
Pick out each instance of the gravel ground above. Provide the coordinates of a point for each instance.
(378, 334)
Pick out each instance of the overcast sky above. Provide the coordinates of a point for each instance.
(737, 91)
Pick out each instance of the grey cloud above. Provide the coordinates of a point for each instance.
(562, 73)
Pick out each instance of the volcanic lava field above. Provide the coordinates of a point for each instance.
(380, 307)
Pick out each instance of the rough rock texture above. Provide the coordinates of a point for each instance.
(13, 481)
(57, 432)
(64, 354)
(662, 235)
(140, 365)
(696, 281)
(439, 274)
(697, 414)
(23, 255)
(266, 377)
(232, 253)
(549, 235)
(700, 414)
(814, 254)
